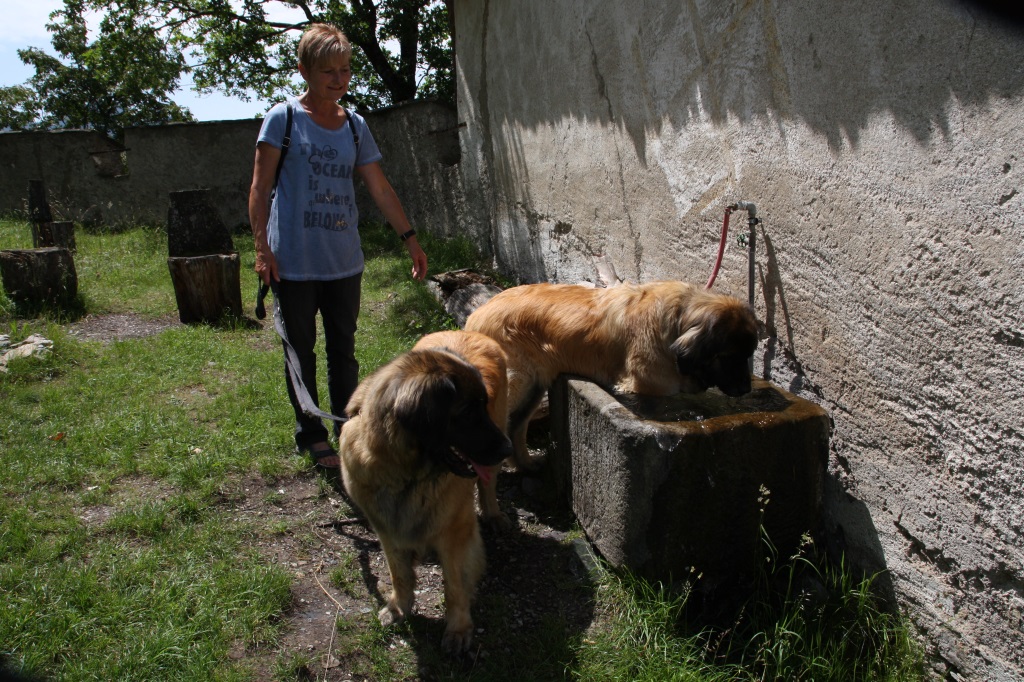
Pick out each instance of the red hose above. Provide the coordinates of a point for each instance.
(721, 248)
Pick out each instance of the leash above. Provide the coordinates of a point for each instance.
(291, 357)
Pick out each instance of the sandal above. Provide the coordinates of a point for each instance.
(321, 451)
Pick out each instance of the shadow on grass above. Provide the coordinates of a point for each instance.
(65, 313)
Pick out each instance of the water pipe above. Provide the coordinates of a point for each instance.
(744, 240)
(749, 240)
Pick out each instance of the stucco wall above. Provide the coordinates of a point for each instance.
(75, 165)
(882, 144)
(217, 155)
(89, 177)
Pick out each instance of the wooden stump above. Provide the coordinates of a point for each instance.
(38, 206)
(207, 288)
(41, 237)
(37, 277)
(57, 233)
(194, 227)
(63, 234)
(203, 263)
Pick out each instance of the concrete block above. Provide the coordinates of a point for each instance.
(663, 486)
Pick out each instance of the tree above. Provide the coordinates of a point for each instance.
(238, 49)
(18, 107)
(125, 77)
(143, 47)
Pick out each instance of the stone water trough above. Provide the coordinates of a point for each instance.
(673, 487)
(681, 486)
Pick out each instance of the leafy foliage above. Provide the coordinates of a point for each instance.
(18, 107)
(125, 74)
(239, 49)
(125, 77)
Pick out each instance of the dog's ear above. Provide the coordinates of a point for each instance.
(423, 405)
(708, 327)
(692, 348)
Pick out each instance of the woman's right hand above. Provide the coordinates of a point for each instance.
(266, 264)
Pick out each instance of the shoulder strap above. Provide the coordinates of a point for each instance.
(285, 143)
(352, 127)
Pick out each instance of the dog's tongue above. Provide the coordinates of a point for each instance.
(483, 472)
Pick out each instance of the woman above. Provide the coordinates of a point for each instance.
(305, 223)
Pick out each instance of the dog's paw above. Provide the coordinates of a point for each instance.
(456, 640)
(498, 521)
(390, 614)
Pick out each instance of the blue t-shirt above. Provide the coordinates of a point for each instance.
(313, 224)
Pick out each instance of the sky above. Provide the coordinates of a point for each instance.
(24, 25)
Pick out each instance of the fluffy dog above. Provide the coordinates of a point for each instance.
(659, 338)
(418, 432)
(486, 355)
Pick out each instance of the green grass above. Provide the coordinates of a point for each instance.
(121, 557)
(805, 620)
(167, 583)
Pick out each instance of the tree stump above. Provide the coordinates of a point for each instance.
(206, 288)
(63, 234)
(45, 231)
(38, 206)
(37, 277)
(203, 263)
(194, 227)
(57, 233)
(41, 236)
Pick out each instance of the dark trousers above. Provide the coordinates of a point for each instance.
(337, 301)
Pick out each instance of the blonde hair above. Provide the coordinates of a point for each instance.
(322, 43)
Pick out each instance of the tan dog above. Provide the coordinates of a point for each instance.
(660, 338)
(418, 432)
(486, 355)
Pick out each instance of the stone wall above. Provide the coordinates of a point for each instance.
(77, 167)
(90, 178)
(882, 145)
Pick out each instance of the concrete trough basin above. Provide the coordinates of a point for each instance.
(670, 486)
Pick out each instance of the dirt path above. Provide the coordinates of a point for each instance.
(533, 605)
(535, 601)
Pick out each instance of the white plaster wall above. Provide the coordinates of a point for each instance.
(882, 143)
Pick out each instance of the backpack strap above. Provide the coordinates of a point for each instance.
(287, 140)
(285, 143)
(352, 127)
